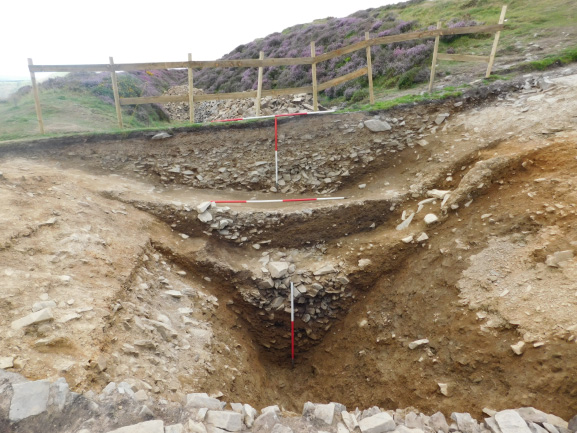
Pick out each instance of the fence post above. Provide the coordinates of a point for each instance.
(259, 88)
(36, 98)
(314, 74)
(434, 64)
(495, 43)
(115, 90)
(190, 90)
(370, 71)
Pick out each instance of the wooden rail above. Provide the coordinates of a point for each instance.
(262, 62)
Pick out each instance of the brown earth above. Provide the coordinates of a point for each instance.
(145, 292)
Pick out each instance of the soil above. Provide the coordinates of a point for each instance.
(144, 292)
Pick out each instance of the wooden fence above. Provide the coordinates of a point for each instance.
(262, 62)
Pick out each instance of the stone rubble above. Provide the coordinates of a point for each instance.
(208, 111)
(31, 404)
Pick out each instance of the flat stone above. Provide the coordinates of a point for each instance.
(205, 217)
(174, 293)
(226, 420)
(418, 343)
(379, 423)
(406, 223)
(6, 362)
(431, 218)
(202, 400)
(42, 305)
(375, 125)
(154, 426)
(326, 269)
(29, 399)
(278, 269)
(437, 193)
(530, 414)
(441, 118)
(509, 421)
(408, 239)
(279, 428)
(325, 413)
(556, 259)
(161, 136)
(37, 317)
(174, 428)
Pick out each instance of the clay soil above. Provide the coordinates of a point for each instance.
(144, 296)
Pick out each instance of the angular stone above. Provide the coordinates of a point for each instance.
(278, 269)
(29, 399)
(363, 263)
(326, 269)
(325, 413)
(202, 400)
(196, 427)
(423, 237)
(530, 414)
(406, 223)
(42, 305)
(37, 317)
(558, 258)
(203, 207)
(379, 423)
(518, 348)
(492, 425)
(205, 217)
(226, 420)
(350, 420)
(175, 428)
(414, 421)
(375, 125)
(418, 343)
(250, 414)
(573, 424)
(509, 421)
(438, 422)
(444, 388)
(59, 392)
(279, 428)
(407, 240)
(265, 422)
(154, 426)
(6, 362)
(465, 422)
(441, 118)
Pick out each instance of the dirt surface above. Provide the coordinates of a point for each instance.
(141, 290)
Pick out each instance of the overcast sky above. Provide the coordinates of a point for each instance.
(76, 32)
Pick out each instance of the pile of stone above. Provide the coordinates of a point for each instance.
(32, 406)
(207, 111)
(318, 291)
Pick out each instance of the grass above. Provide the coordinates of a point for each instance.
(63, 112)
(565, 57)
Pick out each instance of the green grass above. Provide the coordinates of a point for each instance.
(565, 57)
(63, 112)
(448, 92)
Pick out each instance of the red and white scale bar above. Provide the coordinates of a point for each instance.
(286, 200)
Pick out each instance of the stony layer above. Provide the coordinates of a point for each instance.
(32, 406)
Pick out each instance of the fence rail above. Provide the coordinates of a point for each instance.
(262, 62)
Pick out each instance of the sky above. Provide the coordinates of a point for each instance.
(77, 32)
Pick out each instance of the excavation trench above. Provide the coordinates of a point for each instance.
(180, 305)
